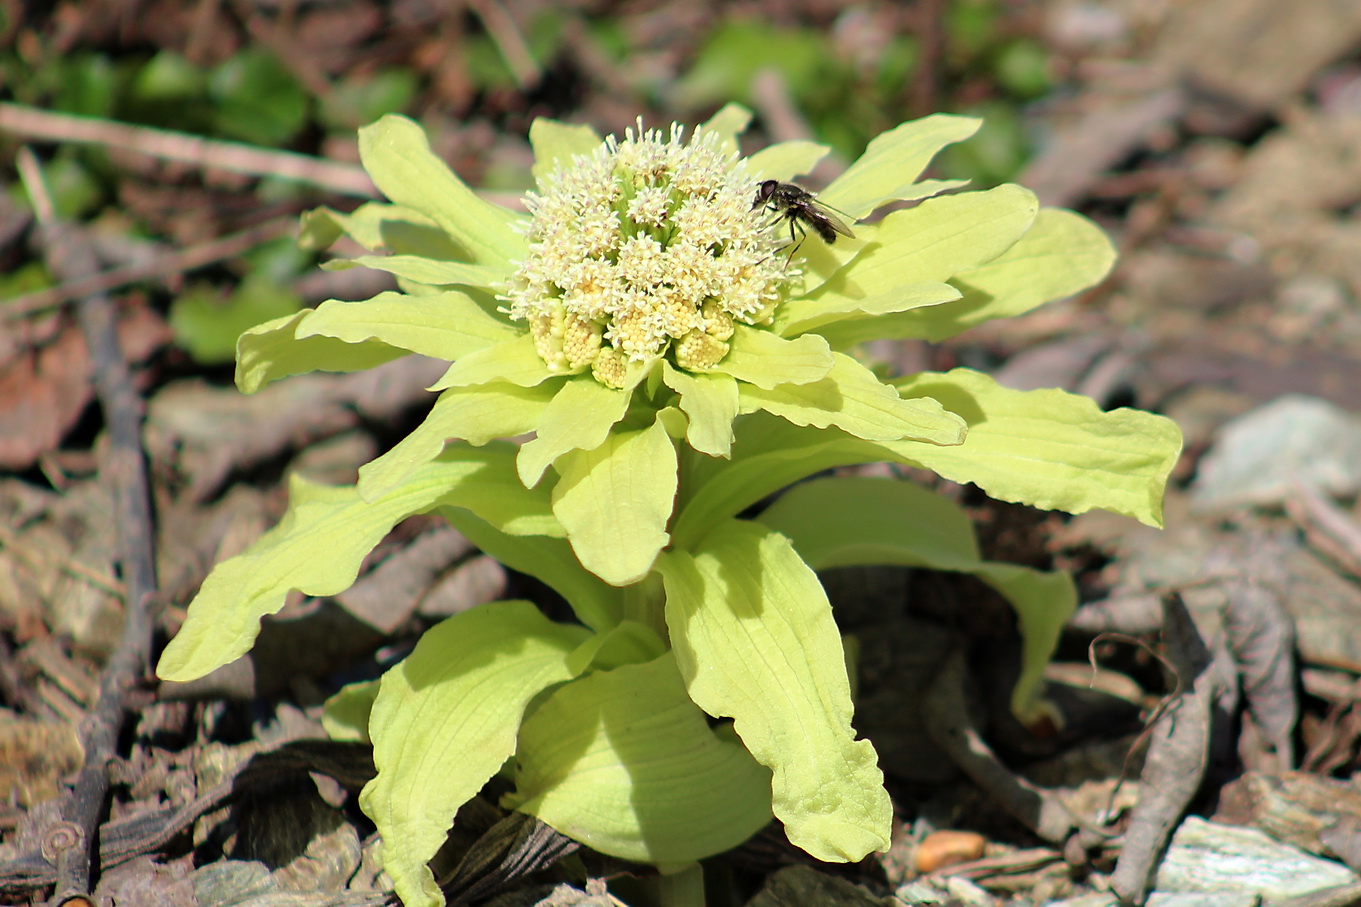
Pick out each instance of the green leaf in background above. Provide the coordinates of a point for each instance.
(753, 635)
(24, 279)
(997, 152)
(624, 762)
(207, 326)
(1022, 68)
(737, 50)
(446, 719)
(280, 259)
(972, 25)
(76, 189)
(257, 99)
(839, 522)
(88, 86)
(170, 92)
(362, 98)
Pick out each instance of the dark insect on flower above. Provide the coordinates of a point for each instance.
(801, 209)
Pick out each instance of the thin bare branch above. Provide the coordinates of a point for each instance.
(74, 840)
(158, 268)
(46, 126)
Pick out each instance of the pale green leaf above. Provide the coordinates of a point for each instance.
(628, 643)
(397, 155)
(345, 716)
(579, 417)
(318, 548)
(769, 454)
(447, 325)
(270, 351)
(854, 400)
(674, 421)
(555, 144)
(1061, 254)
(936, 240)
(1043, 603)
(624, 762)
(847, 521)
(710, 403)
(785, 160)
(378, 225)
(755, 641)
(615, 501)
(550, 560)
(760, 357)
(446, 718)
(798, 316)
(891, 164)
(429, 271)
(822, 262)
(513, 361)
(1048, 448)
(728, 123)
(495, 492)
(474, 414)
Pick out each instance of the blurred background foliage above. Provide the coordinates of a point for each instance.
(304, 76)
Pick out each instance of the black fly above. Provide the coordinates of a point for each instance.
(800, 207)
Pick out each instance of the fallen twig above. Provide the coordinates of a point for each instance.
(1176, 760)
(44, 125)
(1327, 527)
(73, 842)
(950, 726)
(67, 564)
(161, 267)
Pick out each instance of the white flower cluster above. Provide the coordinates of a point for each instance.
(643, 246)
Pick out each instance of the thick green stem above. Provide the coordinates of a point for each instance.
(682, 889)
(644, 602)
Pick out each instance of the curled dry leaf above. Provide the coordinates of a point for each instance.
(1177, 755)
(1261, 638)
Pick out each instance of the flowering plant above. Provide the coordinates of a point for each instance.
(678, 361)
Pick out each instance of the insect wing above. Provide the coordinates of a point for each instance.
(825, 214)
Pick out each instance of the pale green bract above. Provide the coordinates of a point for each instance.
(676, 362)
